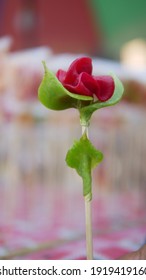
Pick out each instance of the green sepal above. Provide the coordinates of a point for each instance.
(83, 157)
(53, 95)
(87, 111)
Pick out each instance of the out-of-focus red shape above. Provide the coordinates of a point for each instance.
(64, 26)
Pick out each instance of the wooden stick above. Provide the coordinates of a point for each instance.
(88, 218)
(89, 238)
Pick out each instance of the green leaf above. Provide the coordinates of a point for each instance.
(53, 95)
(84, 157)
(87, 111)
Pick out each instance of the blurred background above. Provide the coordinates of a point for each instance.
(38, 191)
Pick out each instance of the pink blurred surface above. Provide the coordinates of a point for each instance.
(55, 229)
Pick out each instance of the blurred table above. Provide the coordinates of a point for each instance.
(57, 230)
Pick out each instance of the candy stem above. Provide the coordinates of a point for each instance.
(88, 216)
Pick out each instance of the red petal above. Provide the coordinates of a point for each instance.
(106, 87)
(77, 67)
(86, 85)
(78, 79)
(61, 74)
